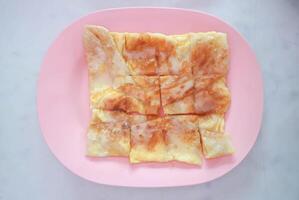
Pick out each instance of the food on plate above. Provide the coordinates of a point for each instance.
(148, 142)
(104, 58)
(157, 97)
(166, 139)
(155, 54)
(215, 144)
(212, 122)
(211, 95)
(183, 138)
(177, 94)
(131, 94)
(209, 54)
(108, 138)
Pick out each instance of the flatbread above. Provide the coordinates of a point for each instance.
(133, 77)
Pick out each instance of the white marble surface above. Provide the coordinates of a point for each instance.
(29, 171)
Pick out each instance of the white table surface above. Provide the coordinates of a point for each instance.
(29, 171)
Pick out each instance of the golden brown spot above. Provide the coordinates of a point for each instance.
(170, 100)
(145, 40)
(154, 140)
(151, 117)
(190, 137)
(116, 104)
(150, 126)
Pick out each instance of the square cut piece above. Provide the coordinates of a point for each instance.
(177, 94)
(211, 95)
(183, 139)
(215, 144)
(108, 138)
(155, 54)
(131, 94)
(104, 59)
(148, 142)
(165, 139)
(143, 95)
(209, 53)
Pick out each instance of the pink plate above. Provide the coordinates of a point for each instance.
(63, 105)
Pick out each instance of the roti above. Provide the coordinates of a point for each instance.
(157, 97)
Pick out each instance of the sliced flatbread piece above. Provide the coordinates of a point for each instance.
(108, 139)
(133, 75)
(148, 142)
(209, 53)
(211, 95)
(103, 58)
(183, 139)
(215, 144)
(155, 54)
(143, 93)
(177, 94)
(142, 52)
(131, 94)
